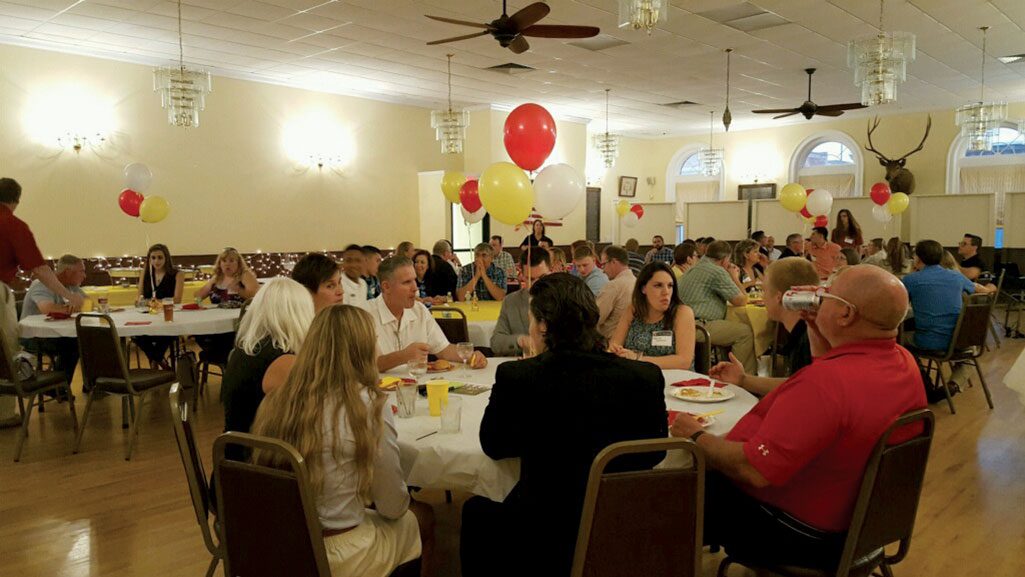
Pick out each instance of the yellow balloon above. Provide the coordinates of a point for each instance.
(793, 197)
(898, 203)
(154, 209)
(506, 193)
(451, 182)
(622, 207)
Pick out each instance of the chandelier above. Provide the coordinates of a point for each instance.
(880, 63)
(607, 144)
(450, 125)
(646, 14)
(980, 121)
(710, 158)
(182, 91)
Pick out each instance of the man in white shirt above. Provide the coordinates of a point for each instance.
(875, 253)
(405, 328)
(770, 245)
(615, 296)
(353, 285)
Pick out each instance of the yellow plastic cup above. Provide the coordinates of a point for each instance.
(437, 396)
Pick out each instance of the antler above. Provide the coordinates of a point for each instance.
(871, 148)
(928, 127)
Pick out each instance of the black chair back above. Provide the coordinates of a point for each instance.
(100, 348)
(453, 323)
(181, 417)
(702, 350)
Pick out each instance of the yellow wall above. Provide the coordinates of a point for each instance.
(229, 181)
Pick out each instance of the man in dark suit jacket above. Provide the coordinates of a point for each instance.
(556, 412)
(441, 278)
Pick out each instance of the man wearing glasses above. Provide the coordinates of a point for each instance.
(782, 484)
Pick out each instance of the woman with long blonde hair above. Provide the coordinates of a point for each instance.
(331, 410)
(233, 280)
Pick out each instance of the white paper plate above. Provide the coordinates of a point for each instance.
(700, 394)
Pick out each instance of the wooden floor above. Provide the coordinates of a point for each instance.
(96, 514)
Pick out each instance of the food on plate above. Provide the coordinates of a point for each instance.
(701, 393)
(439, 366)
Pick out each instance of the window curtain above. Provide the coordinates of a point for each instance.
(694, 192)
(996, 180)
(840, 185)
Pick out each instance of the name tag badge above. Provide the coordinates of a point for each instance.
(849, 240)
(662, 339)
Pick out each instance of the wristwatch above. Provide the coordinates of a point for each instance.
(696, 435)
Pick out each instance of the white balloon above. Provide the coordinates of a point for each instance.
(820, 202)
(558, 189)
(631, 219)
(881, 213)
(473, 217)
(138, 177)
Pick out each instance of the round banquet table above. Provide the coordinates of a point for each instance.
(198, 322)
(457, 461)
(481, 323)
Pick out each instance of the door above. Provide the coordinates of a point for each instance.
(594, 214)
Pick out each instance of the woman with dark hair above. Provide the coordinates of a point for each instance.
(159, 280)
(423, 266)
(612, 400)
(657, 327)
(847, 232)
(322, 277)
(537, 237)
(896, 256)
(747, 256)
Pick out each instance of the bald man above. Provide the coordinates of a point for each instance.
(783, 482)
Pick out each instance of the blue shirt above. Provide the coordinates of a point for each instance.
(935, 294)
(595, 280)
(494, 273)
(373, 287)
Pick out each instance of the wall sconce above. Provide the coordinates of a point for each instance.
(76, 141)
(69, 116)
(318, 139)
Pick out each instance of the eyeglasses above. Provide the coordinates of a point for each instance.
(824, 293)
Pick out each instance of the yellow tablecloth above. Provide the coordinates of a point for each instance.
(120, 296)
(757, 318)
(489, 310)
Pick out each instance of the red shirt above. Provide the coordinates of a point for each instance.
(824, 258)
(812, 435)
(17, 246)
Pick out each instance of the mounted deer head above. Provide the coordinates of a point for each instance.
(900, 178)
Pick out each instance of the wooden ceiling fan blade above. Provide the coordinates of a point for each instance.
(841, 107)
(466, 37)
(560, 31)
(530, 15)
(834, 113)
(776, 110)
(460, 22)
(783, 115)
(519, 45)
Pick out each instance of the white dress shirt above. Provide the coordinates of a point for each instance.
(417, 326)
(355, 292)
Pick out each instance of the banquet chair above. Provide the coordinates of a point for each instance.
(33, 389)
(966, 346)
(702, 350)
(884, 512)
(646, 522)
(181, 418)
(453, 323)
(220, 360)
(268, 515)
(105, 369)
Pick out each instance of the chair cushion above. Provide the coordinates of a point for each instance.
(41, 381)
(142, 379)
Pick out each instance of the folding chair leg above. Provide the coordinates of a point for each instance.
(982, 379)
(943, 384)
(23, 431)
(85, 419)
(213, 566)
(885, 568)
(133, 433)
(71, 407)
(723, 566)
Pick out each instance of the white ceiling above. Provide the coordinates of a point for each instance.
(376, 48)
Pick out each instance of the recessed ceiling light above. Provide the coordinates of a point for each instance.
(1014, 58)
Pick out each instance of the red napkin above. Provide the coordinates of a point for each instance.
(191, 307)
(394, 410)
(671, 415)
(58, 316)
(696, 383)
(138, 323)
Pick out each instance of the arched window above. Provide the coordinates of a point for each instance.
(686, 183)
(828, 160)
(996, 171)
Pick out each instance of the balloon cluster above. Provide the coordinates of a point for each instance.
(137, 180)
(630, 214)
(813, 205)
(887, 203)
(504, 190)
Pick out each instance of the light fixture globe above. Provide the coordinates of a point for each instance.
(643, 14)
(450, 125)
(182, 91)
(880, 64)
(605, 143)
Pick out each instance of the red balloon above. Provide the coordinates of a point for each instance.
(638, 210)
(822, 220)
(529, 136)
(880, 193)
(468, 196)
(806, 214)
(129, 201)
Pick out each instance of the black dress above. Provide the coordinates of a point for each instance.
(555, 412)
(156, 347)
(532, 240)
(242, 385)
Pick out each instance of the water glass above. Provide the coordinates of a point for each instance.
(417, 368)
(406, 394)
(465, 352)
(451, 415)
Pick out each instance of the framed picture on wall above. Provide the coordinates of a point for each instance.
(756, 191)
(628, 186)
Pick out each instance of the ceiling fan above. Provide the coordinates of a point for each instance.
(511, 30)
(809, 108)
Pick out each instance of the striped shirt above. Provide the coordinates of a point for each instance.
(706, 288)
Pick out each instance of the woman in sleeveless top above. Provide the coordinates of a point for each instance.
(160, 280)
(233, 284)
(657, 327)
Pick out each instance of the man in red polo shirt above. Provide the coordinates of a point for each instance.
(18, 249)
(784, 480)
(823, 253)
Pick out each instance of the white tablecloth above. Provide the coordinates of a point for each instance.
(457, 461)
(480, 332)
(201, 322)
